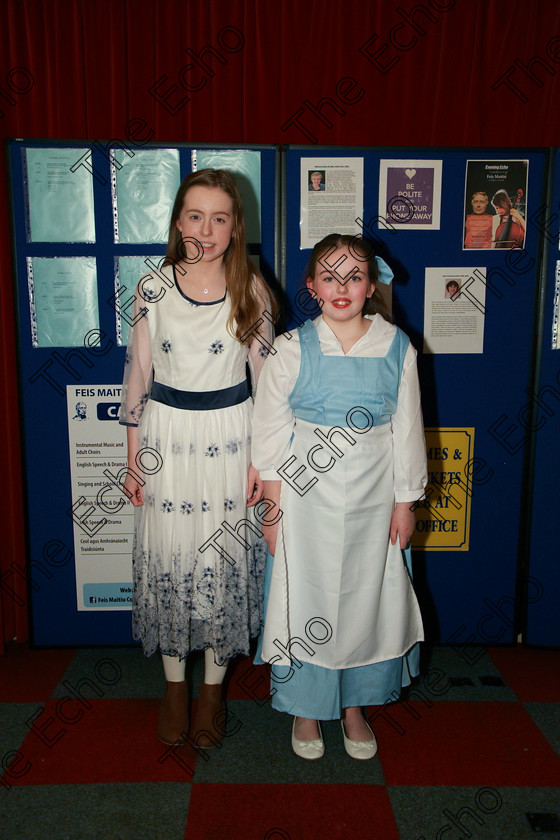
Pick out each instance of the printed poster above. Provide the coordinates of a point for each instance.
(332, 197)
(102, 515)
(245, 165)
(443, 517)
(495, 204)
(128, 271)
(59, 196)
(410, 194)
(63, 306)
(454, 310)
(143, 188)
(556, 310)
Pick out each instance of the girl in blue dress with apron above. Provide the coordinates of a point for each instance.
(338, 439)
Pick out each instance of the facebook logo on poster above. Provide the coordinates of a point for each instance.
(108, 411)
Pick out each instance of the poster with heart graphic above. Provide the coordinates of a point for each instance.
(410, 194)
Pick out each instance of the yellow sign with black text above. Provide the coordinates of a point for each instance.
(443, 517)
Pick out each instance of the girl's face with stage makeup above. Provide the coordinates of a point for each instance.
(342, 283)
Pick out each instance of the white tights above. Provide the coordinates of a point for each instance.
(174, 668)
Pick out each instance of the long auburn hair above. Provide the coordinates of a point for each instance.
(502, 199)
(357, 245)
(246, 302)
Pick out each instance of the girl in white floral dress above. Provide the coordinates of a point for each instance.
(198, 560)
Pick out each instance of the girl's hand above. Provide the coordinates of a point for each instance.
(403, 522)
(254, 487)
(133, 489)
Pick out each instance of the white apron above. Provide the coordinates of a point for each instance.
(340, 593)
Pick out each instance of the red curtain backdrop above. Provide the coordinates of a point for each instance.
(385, 72)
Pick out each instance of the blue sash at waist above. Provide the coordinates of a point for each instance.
(200, 400)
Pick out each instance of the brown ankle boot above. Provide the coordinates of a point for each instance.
(211, 714)
(173, 721)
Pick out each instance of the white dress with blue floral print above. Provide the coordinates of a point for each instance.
(198, 561)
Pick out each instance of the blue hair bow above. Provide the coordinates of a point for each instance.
(385, 273)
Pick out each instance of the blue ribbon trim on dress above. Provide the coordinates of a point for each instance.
(200, 400)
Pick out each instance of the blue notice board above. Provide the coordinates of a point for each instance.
(467, 596)
(71, 331)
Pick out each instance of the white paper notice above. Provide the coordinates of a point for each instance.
(60, 195)
(332, 197)
(556, 311)
(453, 315)
(103, 518)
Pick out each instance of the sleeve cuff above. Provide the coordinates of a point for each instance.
(269, 475)
(408, 495)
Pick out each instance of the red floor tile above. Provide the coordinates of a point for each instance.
(28, 675)
(248, 681)
(463, 744)
(113, 741)
(533, 673)
(289, 812)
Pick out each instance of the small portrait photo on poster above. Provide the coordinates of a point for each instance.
(452, 289)
(316, 180)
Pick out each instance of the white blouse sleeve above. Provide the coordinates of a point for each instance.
(409, 445)
(273, 419)
(137, 382)
(262, 335)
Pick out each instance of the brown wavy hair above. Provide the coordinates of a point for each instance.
(502, 199)
(247, 297)
(360, 248)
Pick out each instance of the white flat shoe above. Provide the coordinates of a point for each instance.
(362, 750)
(310, 750)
